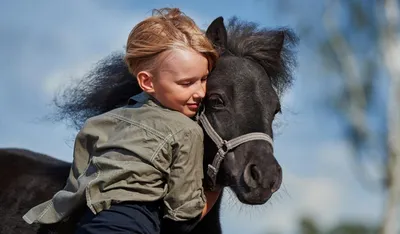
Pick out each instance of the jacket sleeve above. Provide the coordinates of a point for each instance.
(185, 197)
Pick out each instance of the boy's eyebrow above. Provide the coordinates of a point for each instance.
(191, 78)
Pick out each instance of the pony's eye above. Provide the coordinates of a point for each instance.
(215, 101)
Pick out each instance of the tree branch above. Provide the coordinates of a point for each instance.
(351, 70)
(355, 112)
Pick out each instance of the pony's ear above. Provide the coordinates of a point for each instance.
(216, 32)
(280, 41)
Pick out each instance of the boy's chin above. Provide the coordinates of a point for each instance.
(189, 113)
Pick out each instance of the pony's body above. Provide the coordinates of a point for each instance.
(242, 98)
(27, 178)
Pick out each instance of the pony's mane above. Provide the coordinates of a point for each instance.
(272, 49)
(109, 84)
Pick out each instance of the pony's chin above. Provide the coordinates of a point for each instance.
(253, 197)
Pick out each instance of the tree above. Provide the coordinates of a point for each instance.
(360, 45)
(351, 228)
(308, 226)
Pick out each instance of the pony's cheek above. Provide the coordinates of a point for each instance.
(231, 164)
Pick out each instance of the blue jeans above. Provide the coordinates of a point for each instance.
(122, 218)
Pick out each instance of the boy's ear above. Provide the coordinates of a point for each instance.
(145, 81)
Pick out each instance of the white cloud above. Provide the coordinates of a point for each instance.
(318, 196)
(53, 42)
(300, 195)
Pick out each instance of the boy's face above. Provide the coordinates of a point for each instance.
(180, 81)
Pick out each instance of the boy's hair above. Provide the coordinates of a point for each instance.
(166, 29)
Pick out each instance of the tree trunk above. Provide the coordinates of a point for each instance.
(390, 47)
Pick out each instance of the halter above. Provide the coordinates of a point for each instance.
(225, 147)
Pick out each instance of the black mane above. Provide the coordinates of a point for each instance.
(107, 86)
(110, 85)
(272, 49)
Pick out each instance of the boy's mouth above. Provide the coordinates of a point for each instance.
(193, 105)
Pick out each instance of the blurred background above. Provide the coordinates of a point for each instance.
(337, 138)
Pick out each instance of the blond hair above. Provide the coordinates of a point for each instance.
(166, 29)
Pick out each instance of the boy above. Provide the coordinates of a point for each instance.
(135, 163)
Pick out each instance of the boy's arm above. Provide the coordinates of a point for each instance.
(185, 199)
(170, 226)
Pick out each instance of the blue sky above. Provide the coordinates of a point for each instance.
(45, 44)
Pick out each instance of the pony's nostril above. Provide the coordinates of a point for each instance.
(272, 185)
(252, 176)
(276, 183)
(255, 173)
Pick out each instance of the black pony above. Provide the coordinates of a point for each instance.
(242, 98)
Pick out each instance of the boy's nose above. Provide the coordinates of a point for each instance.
(200, 92)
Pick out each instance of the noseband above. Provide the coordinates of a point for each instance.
(225, 147)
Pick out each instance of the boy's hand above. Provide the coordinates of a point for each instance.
(212, 197)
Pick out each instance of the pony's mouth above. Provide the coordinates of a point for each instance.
(251, 195)
(256, 196)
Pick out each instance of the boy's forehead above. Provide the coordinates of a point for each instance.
(184, 63)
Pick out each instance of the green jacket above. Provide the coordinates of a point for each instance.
(141, 152)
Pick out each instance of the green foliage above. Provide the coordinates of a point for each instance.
(308, 226)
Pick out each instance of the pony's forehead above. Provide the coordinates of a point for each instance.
(235, 69)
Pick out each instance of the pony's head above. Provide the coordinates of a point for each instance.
(242, 98)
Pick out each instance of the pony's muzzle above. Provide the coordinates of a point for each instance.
(255, 178)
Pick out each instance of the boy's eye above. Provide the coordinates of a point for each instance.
(186, 83)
